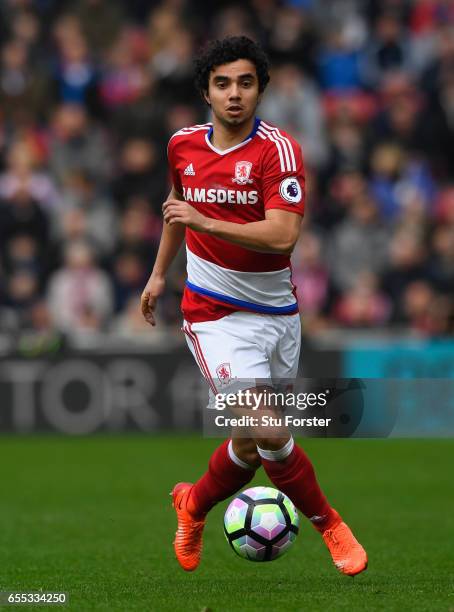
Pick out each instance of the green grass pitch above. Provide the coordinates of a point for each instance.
(92, 517)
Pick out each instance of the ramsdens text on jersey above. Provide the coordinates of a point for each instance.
(219, 196)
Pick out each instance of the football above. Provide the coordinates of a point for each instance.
(261, 524)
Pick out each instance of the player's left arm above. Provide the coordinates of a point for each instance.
(277, 233)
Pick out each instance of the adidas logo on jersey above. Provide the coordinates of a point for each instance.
(189, 170)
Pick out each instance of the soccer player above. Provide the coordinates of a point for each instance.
(238, 199)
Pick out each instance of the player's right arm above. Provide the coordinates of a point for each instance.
(171, 238)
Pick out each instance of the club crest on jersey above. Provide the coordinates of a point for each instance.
(224, 373)
(290, 190)
(242, 172)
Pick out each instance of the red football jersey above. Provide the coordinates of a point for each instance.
(238, 184)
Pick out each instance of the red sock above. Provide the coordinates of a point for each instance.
(295, 477)
(223, 478)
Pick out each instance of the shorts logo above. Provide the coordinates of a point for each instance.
(224, 373)
(242, 172)
(290, 190)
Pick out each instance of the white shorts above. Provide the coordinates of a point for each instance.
(244, 349)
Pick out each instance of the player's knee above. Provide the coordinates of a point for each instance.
(271, 443)
(246, 450)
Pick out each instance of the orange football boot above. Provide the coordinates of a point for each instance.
(347, 553)
(188, 537)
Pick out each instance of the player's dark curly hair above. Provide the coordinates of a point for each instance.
(228, 50)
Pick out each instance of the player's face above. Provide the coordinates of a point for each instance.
(233, 92)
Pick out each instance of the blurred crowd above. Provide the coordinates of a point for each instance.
(91, 90)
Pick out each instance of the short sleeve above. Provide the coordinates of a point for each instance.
(172, 164)
(283, 181)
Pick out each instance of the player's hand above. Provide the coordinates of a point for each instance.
(153, 289)
(176, 211)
